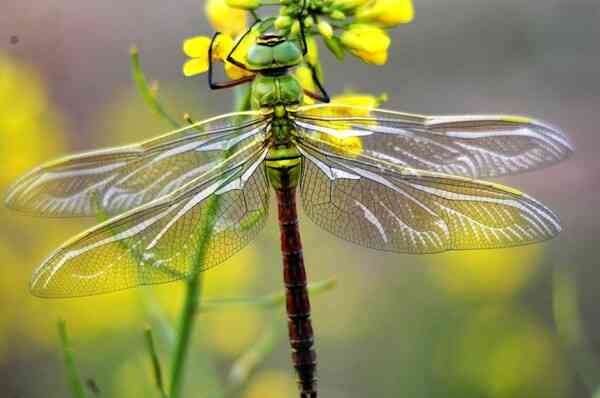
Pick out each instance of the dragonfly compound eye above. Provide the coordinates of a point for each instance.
(273, 52)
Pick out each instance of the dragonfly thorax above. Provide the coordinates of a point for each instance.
(269, 91)
(271, 57)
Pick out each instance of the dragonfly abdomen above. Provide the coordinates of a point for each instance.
(300, 328)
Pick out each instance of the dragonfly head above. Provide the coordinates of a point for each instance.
(273, 53)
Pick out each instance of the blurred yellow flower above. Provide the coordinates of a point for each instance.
(283, 22)
(232, 330)
(272, 384)
(387, 13)
(30, 129)
(367, 42)
(496, 273)
(502, 352)
(325, 29)
(224, 19)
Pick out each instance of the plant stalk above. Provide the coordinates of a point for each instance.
(193, 286)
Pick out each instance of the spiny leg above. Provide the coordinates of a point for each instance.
(220, 85)
(322, 96)
(230, 57)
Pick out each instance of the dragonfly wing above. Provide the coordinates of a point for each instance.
(411, 211)
(196, 227)
(123, 178)
(473, 145)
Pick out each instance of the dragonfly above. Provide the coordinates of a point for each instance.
(385, 180)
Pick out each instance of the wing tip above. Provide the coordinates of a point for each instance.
(552, 224)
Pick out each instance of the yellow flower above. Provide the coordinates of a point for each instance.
(304, 76)
(30, 128)
(351, 146)
(363, 101)
(359, 105)
(486, 273)
(387, 13)
(240, 54)
(303, 73)
(325, 29)
(224, 19)
(367, 42)
(197, 49)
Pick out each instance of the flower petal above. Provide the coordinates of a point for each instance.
(195, 66)
(235, 72)
(223, 46)
(376, 58)
(196, 47)
(225, 19)
(365, 37)
(387, 12)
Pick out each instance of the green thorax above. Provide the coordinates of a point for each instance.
(269, 91)
(272, 57)
(283, 160)
(276, 90)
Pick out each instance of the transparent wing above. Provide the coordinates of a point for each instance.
(167, 239)
(125, 177)
(394, 208)
(472, 146)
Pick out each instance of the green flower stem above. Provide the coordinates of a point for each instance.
(158, 379)
(245, 366)
(188, 316)
(73, 374)
(267, 301)
(148, 94)
(194, 282)
(571, 330)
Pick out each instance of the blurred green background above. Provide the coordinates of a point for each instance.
(472, 324)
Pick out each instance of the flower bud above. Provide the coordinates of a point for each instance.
(348, 5)
(295, 27)
(325, 29)
(243, 4)
(283, 22)
(309, 22)
(337, 14)
(387, 13)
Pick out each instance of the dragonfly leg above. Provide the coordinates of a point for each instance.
(322, 96)
(220, 85)
(302, 34)
(230, 57)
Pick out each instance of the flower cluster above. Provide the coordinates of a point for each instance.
(357, 27)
